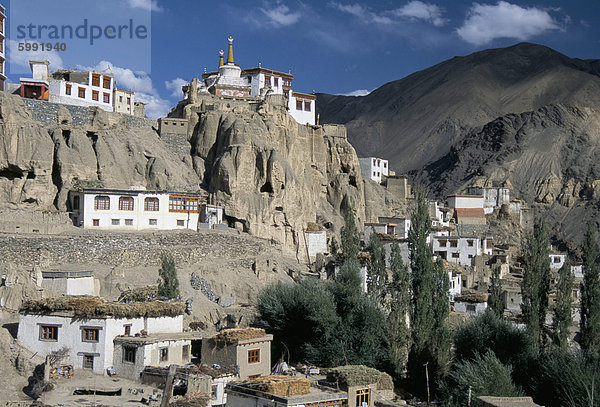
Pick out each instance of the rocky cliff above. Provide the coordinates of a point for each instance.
(273, 176)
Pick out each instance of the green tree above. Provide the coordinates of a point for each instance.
(377, 277)
(495, 302)
(484, 374)
(399, 294)
(562, 317)
(536, 281)
(168, 284)
(303, 320)
(590, 294)
(429, 305)
(350, 237)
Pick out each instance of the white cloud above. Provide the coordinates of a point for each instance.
(175, 87)
(363, 13)
(486, 22)
(22, 58)
(139, 82)
(281, 15)
(422, 11)
(358, 92)
(149, 5)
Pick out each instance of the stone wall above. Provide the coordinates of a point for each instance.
(47, 113)
(44, 222)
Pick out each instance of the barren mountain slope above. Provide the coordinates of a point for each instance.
(415, 120)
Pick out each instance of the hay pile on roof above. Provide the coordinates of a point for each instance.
(234, 335)
(280, 385)
(359, 375)
(192, 400)
(91, 307)
(142, 294)
(472, 297)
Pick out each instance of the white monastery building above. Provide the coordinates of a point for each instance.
(135, 209)
(230, 81)
(373, 168)
(78, 88)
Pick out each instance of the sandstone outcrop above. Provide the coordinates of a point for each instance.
(39, 163)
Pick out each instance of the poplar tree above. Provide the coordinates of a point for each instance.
(168, 284)
(562, 317)
(536, 281)
(377, 280)
(495, 303)
(590, 294)
(350, 237)
(430, 340)
(399, 294)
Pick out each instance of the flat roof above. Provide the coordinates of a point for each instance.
(158, 337)
(316, 394)
(266, 70)
(134, 192)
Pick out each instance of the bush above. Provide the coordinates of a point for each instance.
(484, 374)
(168, 284)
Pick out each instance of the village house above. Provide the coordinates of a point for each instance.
(461, 249)
(72, 282)
(211, 216)
(134, 209)
(373, 168)
(492, 197)
(493, 401)
(351, 386)
(123, 101)
(557, 259)
(230, 81)
(99, 335)
(472, 303)
(468, 209)
(248, 349)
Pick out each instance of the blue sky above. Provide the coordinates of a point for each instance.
(341, 47)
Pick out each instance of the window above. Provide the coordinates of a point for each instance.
(453, 243)
(127, 329)
(557, 259)
(95, 95)
(276, 81)
(128, 100)
(185, 352)
(183, 204)
(254, 356)
(298, 104)
(76, 202)
(151, 204)
(101, 203)
(89, 334)
(128, 222)
(363, 396)
(106, 83)
(152, 222)
(106, 97)
(95, 79)
(249, 79)
(470, 243)
(455, 255)
(471, 308)
(67, 89)
(88, 362)
(115, 222)
(384, 165)
(180, 222)
(120, 98)
(49, 332)
(164, 354)
(267, 80)
(125, 203)
(81, 93)
(95, 222)
(307, 104)
(129, 354)
(442, 242)
(465, 283)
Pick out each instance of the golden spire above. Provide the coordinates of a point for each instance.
(220, 58)
(230, 51)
